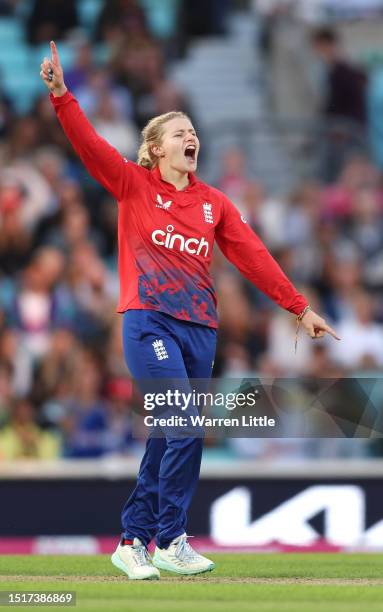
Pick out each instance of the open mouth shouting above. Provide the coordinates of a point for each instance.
(191, 153)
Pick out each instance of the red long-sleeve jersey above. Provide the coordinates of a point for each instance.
(166, 236)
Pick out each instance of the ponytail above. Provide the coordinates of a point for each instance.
(144, 158)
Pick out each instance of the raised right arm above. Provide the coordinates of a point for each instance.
(101, 160)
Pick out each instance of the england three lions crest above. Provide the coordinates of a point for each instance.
(208, 212)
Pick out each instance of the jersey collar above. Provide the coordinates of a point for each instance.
(157, 174)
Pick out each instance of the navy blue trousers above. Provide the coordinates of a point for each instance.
(170, 467)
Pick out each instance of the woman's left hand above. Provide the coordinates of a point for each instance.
(316, 327)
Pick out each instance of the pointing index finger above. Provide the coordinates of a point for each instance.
(332, 332)
(55, 55)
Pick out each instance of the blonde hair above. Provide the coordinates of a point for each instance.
(152, 135)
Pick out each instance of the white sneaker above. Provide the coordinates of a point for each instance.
(181, 558)
(135, 561)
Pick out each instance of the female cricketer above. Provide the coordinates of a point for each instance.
(168, 222)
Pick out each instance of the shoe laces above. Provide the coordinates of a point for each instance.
(141, 555)
(184, 552)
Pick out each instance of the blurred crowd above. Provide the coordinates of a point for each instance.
(64, 387)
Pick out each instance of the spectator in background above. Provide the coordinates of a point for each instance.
(58, 364)
(86, 421)
(234, 177)
(342, 274)
(93, 288)
(18, 360)
(344, 104)
(100, 83)
(253, 204)
(22, 438)
(322, 365)
(362, 336)
(115, 361)
(120, 18)
(302, 223)
(52, 19)
(366, 228)
(345, 88)
(6, 390)
(266, 215)
(235, 315)
(69, 196)
(52, 166)
(22, 140)
(73, 229)
(165, 97)
(47, 133)
(15, 237)
(337, 198)
(119, 439)
(240, 325)
(302, 216)
(114, 127)
(107, 220)
(70, 193)
(238, 361)
(24, 188)
(139, 66)
(83, 64)
(39, 301)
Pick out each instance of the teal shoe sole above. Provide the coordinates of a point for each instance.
(170, 568)
(117, 562)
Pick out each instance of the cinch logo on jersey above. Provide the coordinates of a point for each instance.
(160, 350)
(193, 246)
(207, 212)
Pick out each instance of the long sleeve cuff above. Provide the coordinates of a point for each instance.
(299, 305)
(59, 100)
